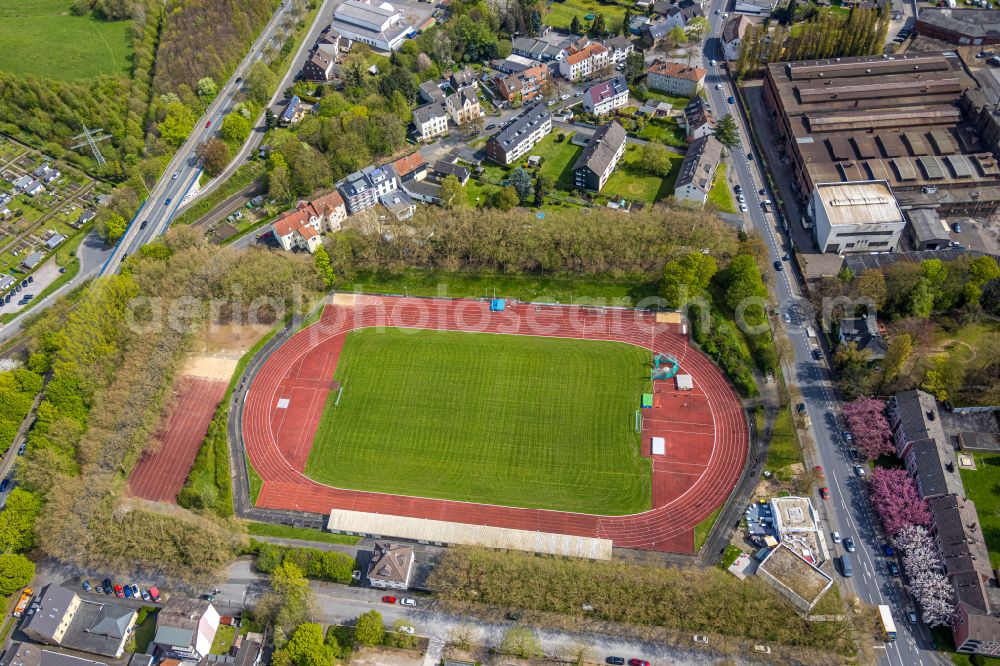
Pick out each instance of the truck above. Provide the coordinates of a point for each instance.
(888, 626)
(23, 602)
(813, 338)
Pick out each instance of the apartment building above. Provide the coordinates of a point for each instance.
(521, 134)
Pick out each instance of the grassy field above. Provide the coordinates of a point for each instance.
(630, 182)
(516, 421)
(300, 533)
(666, 131)
(981, 487)
(32, 32)
(720, 195)
(560, 14)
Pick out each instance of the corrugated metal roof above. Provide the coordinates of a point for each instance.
(865, 145)
(904, 168)
(840, 147)
(420, 529)
(915, 140)
(931, 166)
(859, 203)
(943, 144)
(960, 166)
(892, 145)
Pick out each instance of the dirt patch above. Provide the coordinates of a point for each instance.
(209, 367)
(229, 340)
(345, 299)
(383, 656)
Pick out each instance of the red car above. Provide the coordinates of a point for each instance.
(819, 471)
(388, 600)
(637, 662)
(824, 493)
(119, 592)
(208, 123)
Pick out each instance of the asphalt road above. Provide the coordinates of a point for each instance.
(847, 511)
(181, 176)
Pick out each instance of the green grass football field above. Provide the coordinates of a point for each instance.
(521, 421)
(42, 38)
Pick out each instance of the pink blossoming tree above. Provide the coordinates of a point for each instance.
(896, 500)
(869, 426)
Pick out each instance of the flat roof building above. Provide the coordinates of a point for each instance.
(856, 217)
(797, 526)
(901, 119)
(514, 141)
(959, 26)
(378, 26)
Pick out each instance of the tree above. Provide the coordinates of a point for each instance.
(521, 180)
(982, 270)
(990, 297)
(896, 357)
(323, 267)
(686, 278)
(598, 28)
(521, 642)
(868, 426)
(635, 67)
(676, 36)
(290, 601)
(697, 28)
(871, 285)
(897, 500)
(279, 183)
(235, 128)
(214, 155)
(403, 629)
(578, 653)
(16, 571)
(921, 301)
(306, 647)
(654, 158)
(207, 88)
(727, 132)
(504, 199)
(462, 637)
(17, 521)
(943, 378)
(177, 124)
(369, 629)
(452, 193)
(114, 227)
(543, 185)
(260, 82)
(574, 25)
(626, 21)
(930, 588)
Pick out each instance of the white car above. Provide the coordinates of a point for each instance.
(407, 630)
(406, 601)
(713, 63)
(741, 198)
(176, 173)
(859, 470)
(743, 208)
(579, 93)
(564, 97)
(551, 102)
(836, 537)
(718, 86)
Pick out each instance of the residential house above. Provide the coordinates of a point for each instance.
(423, 190)
(694, 181)
(54, 241)
(913, 417)
(636, 24)
(698, 120)
(585, 62)
(521, 134)
(64, 619)
(303, 227)
(30, 654)
(732, 36)
(654, 109)
(430, 120)
(599, 159)
(185, 629)
(536, 49)
(321, 65)
(21, 184)
(47, 173)
(523, 86)
(35, 187)
(410, 168)
(362, 189)
(513, 64)
(463, 78)
(674, 78)
(443, 169)
(391, 566)
(463, 106)
(864, 333)
(293, 112)
(32, 260)
(399, 204)
(605, 97)
(755, 7)
(643, 5)
(87, 215)
(619, 48)
(381, 26)
(430, 91)
(657, 29)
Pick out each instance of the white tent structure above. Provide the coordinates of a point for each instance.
(685, 383)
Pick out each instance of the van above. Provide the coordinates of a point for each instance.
(845, 566)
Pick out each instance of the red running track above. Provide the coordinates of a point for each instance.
(705, 429)
(159, 475)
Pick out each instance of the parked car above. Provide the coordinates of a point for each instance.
(119, 591)
(893, 569)
(4, 485)
(731, 100)
(859, 470)
(698, 638)
(740, 198)
(836, 537)
(848, 437)
(207, 597)
(788, 318)
(800, 408)
(128, 591)
(737, 188)
(154, 594)
(239, 79)
(849, 544)
(762, 192)
(491, 126)
(135, 591)
(853, 453)
(106, 585)
(388, 599)
(564, 97)
(407, 602)
(911, 616)
(638, 662)
(957, 227)
(817, 354)
(718, 86)
(86, 585)
(208, 123)
(615, 661)
(824, 493)
(144, 594)
(551, 102)
(819, 472)
(21, 449)
(888, 550)
(405, 629)
(743, 208)
(513, 616)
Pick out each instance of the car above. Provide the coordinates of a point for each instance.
(207, 597)
(731, 100)
(824, 493)
(407, 602)
(176, 174)
(800, 408)
(208, 123)
(718, 86)
(579, 93)
(143, 225)
(62, 270)
(491, 126)
(738, 188)
(86, 585)
(167, 202)
(513, 615)
(4, 485)
(551, 102)
(135, 591)
(853, 455)
(836, 537)
(762, 192)
(717, 11)
(788, 318)
(239, 79)
(98, 590)
(128, 591)
(893, 569)
(144, 594)
(106, 585)
(817, 354)
(21, 449)
(911, 616)
(818, 469)
(859, 470)
(785, 257)
(777, 266)
(698, 638)
(849, 544)
(957, 227)
(154, 594)
(638, 662)
(406, 629)
(743, 208)
(847, 437)
(713, 63)
(888, 550)
(615, 661)
(749, 157)
(564, 97)
(24, 283)
(388, 599)
(119, 592)
(741, 198)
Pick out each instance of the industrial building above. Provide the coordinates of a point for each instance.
(858, 216)
(901, 119)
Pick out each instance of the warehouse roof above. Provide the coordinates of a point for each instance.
(868, 202)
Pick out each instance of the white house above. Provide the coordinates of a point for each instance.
(732, 36)
(605, 97)
(430, 120)
(585, 62)
(381, 27)
(858, 216)
(619, 48)
(391, 566)
(302, 228)
(694, 180)
(361, 190)
(185, 629)
(463, 106)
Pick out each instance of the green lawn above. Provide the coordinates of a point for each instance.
(223, 639)
(720, 195)
(784, 449)
(512, 420)
(982, 486)
(300, 533)
(666, 131)
(42, 38)
(702, 529)
(558, 159)
(560, 14)
(630, 182)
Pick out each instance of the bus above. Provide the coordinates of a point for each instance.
(888, 626)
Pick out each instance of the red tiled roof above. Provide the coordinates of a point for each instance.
(677, 71)
(585, 53)
(328, 202)
(405, 165)
(297, 220)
